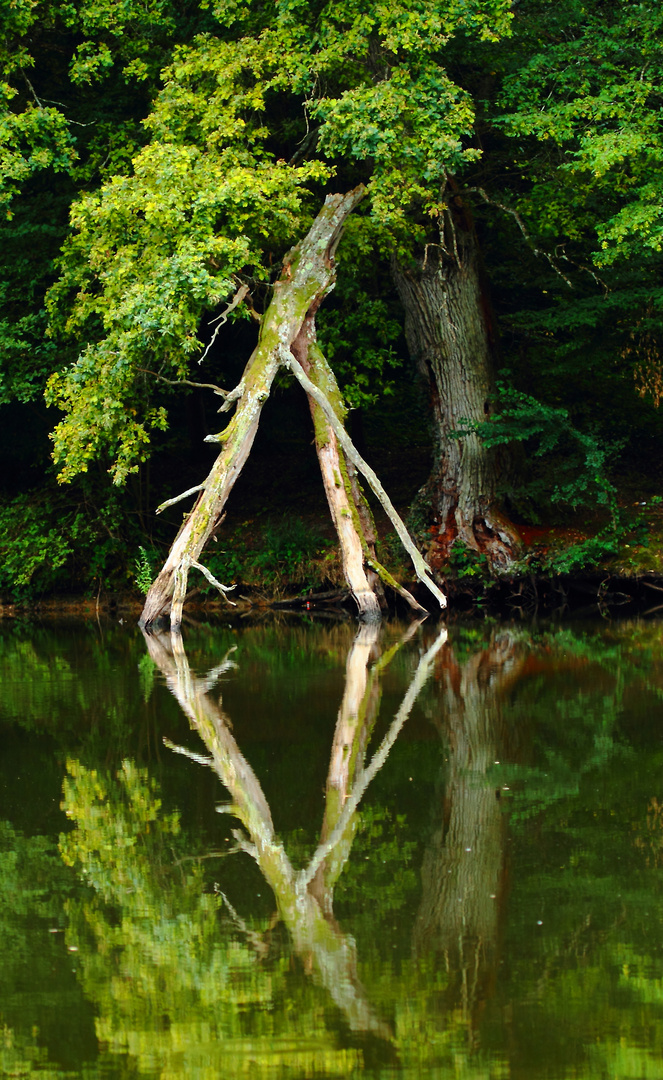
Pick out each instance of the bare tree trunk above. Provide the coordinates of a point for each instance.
(333, 468)
(447, 326)
(308, 274)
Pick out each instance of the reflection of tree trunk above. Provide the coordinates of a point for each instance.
(448, 333)
(356, 718)
(463, 873)
(324, 949)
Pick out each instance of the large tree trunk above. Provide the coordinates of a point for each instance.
(447, 326)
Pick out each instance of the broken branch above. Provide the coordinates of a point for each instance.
(178, 498)
(223, 589)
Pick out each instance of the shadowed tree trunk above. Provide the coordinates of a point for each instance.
(449, 335)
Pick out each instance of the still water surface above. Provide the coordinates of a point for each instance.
(304, 850)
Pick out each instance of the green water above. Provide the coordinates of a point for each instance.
(435, 858)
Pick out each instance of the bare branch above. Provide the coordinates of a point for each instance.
(186, 382)
(231, 397)
(222, 319)
(223, 589)
(178, 498)
(390, 580)
(521, 225)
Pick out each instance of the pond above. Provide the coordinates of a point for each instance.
(307, 849)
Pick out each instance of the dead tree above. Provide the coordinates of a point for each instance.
(287, 339)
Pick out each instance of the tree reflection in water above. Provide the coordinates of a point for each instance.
(464, 871)
(304, 897)
(166, 984)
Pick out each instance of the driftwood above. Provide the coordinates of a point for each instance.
(287, 338)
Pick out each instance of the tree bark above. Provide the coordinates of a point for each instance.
(308, 274)
(448, 332)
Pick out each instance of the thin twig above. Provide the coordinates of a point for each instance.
(222, 319)
(521, 225)
(186, 382)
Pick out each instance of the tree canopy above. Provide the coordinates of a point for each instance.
(159, 162)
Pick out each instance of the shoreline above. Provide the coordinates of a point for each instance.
(594, 592)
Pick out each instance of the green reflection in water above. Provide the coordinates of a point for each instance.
(489, 906)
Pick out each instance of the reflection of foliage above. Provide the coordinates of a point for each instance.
(589, 722)
(32, 879)
(577, 722)
(146, 672)
(380, 876)
(175, 988)
(34, 887)
(180, 988)
(22, 1056)
(585, 930)
(650, 839)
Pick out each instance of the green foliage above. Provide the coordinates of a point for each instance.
(153, 250)
(277, 553)
(32, 554)
(209, 197)
(59, 540)
(591, 99)
(144, 571)
(578, 460)
(359, 328)
(467, 563)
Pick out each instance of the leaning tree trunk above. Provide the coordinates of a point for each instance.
(352, 542)
(349, 510)
(447, 326)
